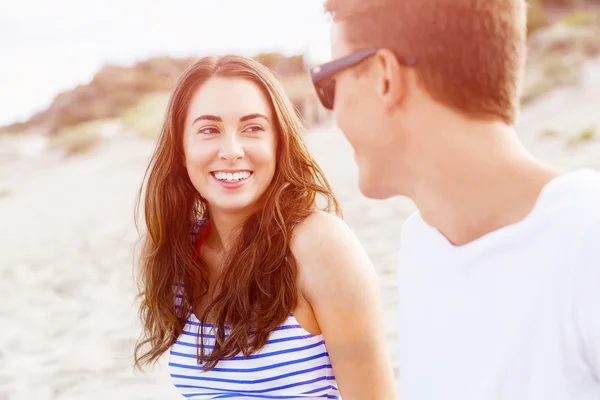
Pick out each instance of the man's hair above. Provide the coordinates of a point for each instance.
(470, 53)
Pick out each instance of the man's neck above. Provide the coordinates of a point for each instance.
(478, 182)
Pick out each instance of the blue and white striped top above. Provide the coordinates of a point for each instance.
(294, 364)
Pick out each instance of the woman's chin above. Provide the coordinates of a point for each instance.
(232, 205)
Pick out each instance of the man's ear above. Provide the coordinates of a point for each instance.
(392, 79)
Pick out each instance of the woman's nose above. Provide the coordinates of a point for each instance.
(231, 149)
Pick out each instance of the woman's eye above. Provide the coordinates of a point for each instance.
(254, 129)
(209, 130)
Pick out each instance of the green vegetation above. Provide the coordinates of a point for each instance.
(146, 117)
(541, 13)
(549, 73)
(537, 17)
(580, 17)
(563, 3)
(549, 133)
(78, 139)
(137, 96)
(583, 136)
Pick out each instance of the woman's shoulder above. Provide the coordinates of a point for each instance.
(326, 250)
(320, 232)
(317, 222)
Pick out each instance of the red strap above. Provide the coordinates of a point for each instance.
(201, 237)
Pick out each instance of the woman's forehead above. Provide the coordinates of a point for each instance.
(230, 97)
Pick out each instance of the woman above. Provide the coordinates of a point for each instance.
(272, 298)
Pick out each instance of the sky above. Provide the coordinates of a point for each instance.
(47, 46)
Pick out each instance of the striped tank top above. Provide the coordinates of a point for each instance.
(294, 364)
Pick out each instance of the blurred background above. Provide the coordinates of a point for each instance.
(84, 87)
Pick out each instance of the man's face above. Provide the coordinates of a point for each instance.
(361, 114)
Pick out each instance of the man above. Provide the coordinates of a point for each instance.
(500, 267)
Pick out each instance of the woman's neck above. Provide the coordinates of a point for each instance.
(224, 230)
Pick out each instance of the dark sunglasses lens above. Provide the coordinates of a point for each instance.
(326, 92)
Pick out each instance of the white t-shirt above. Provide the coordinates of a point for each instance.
(514, 315)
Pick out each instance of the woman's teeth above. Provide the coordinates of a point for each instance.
(232, 177)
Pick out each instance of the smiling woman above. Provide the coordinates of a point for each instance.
(230, 145)
(271, 297)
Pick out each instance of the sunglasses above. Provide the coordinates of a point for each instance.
(322, 75)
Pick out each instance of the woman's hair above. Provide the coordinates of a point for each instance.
(258, 284)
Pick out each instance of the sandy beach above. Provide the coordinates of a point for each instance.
(68, 318)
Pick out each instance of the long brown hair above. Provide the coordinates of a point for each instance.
(259, 279)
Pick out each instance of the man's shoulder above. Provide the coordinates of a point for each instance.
(588, 239)
(575, 215)
(582, 186)
(572, 199)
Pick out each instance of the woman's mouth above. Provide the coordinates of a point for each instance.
(232, 179)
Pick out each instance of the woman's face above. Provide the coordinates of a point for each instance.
(230, 143)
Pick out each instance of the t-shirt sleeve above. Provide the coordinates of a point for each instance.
(587, 294)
